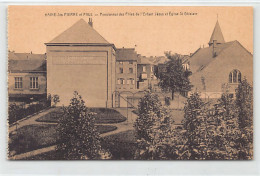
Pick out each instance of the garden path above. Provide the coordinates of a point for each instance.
(30, 121)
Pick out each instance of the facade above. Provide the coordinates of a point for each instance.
(220, 66)
(126, 69)
(26, 77)
(145, 72)
(80, 59)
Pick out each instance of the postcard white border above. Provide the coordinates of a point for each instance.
(128, 167)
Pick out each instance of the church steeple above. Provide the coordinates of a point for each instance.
(216, 36)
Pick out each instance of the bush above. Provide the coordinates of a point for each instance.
(78, 137)
(153, 128)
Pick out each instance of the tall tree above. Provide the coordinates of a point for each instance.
(175, 77)
(78, 137)
(244, 104)
(153, 128)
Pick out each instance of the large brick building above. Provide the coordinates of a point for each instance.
(80, 59)
(220, 66)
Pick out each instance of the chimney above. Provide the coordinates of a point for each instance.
(90, 22)
(214, 45)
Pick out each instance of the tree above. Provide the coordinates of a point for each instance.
(244, 104)
(153, 128)
(192, 124)
(78, 137)
(175, 77)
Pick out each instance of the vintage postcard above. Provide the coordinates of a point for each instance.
(130, 83)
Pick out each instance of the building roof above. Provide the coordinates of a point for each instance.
(80, 32)
(217, 35)
(203, 56)
(144, 60)
(26, 62)
(126, 54)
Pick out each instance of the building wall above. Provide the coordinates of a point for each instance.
(26, 83)
(126, 75)
(144, 77)
(86, 69)
(217, 73)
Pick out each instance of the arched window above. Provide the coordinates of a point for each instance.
(234, 76)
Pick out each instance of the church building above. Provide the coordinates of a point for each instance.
(220, 67)
(80, 59)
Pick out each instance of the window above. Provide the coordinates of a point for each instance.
(120, 81)
(123, 81)
(132, 80)
(131, 70)
(18, 82)
(234, 76)
(121, 70)
(34, 83)
(144, 68)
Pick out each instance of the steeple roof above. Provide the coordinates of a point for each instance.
(80, 32)
(217, 35)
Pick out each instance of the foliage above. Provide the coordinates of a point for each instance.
(18, 112)
(153, 128)
(244, 104)
(215, 133)
(55, 99)
(78, 137)
(175, 77)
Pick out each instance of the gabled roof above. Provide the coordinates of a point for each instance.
(126, 54)
(26, 62)
(203, 56)
(80, 32)
(217, 35)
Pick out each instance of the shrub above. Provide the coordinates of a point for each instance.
(78, 137)
(153, 128)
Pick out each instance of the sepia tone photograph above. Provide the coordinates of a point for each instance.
(130, 83)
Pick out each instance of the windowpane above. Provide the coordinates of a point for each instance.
(239, 77)
(234, 76)
(230, 77)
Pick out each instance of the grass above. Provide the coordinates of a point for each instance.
(32, 137)
(103, 115)
(121, 145)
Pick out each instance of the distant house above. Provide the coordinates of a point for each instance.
(26, 77)
(80, 59)
(126, 69)
(220, 67)
(145, 72)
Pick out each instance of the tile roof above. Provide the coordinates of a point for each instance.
(145, 60)
(203, 56)
(80, 32)
(26, 62)
(217, 35)
(126, 54)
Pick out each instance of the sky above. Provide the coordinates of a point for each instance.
(180, 30)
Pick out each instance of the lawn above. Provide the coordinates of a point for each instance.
(32, 137)
(122, 146)
(103, 115)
